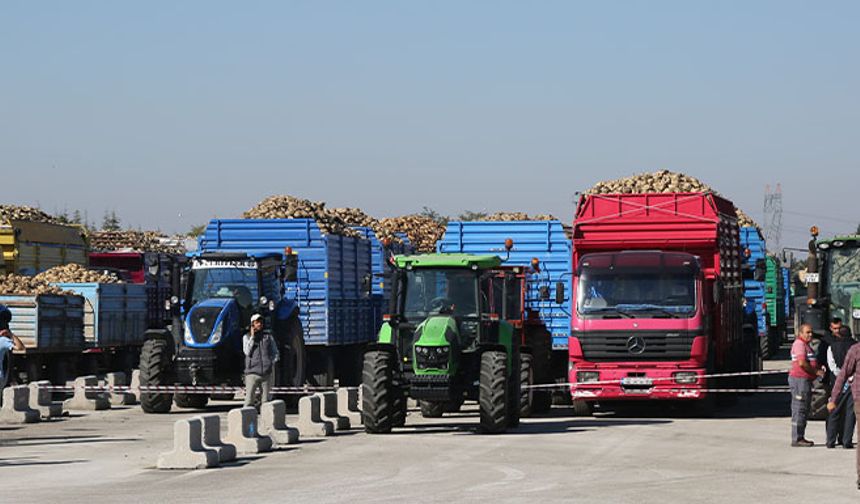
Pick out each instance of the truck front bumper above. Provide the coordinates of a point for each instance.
(639, 383)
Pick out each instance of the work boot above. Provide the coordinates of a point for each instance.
(803, 443)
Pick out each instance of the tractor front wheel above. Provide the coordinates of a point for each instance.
(379, 397)
(493, 392)
(195, 401)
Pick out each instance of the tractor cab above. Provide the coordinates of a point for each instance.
(835, 273)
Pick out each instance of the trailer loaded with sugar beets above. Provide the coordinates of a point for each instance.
(446, 339)
(658, 299)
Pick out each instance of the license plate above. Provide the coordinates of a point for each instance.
(811, 278)
(637, 381)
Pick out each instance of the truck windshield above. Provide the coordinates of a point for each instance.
(240, 284)
(440, 291)
(607, 289)
(843, 273)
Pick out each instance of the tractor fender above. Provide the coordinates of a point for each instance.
(487, 347)
(163, 334)
(374, 346)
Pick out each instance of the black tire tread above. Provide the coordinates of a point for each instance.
(492, 395)
(155, 369)
(378, 394)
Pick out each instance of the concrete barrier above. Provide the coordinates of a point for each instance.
(87, 400)
(188, 451)
(347, 405)
(40, 400)
(119, 398)
(274, 425)
(329, 411)
(212, 437)
(134, 387)
(16, 406)
(310, 422)
(242, 432)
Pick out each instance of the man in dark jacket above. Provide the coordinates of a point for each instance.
(850, 373)
(261, 354)
(840, 422)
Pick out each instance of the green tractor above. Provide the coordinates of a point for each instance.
(444, 341)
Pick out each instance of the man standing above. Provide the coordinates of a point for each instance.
(261, 354)
(804, 369)
(840, 421)
(8, 342)
(850, 373)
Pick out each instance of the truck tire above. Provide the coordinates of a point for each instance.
(493, 392)
(541, 402)
(156, 368)
(527, 378)
(379, 397)
(196, 401)
(583, 408)
(432, 409)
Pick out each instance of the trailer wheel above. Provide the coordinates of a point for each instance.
(156, 366)
(378, 393)
(527, 378)
(493, 392)
(432, 409)
(196, 401)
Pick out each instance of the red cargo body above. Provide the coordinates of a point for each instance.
(650, 241)
(132, 267)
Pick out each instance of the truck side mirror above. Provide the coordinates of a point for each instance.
(543, 291)
(559, 292)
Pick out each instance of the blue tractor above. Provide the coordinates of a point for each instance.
(214, 296)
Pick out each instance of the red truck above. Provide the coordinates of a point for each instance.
(658, 298)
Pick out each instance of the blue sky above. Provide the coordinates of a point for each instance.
(174, 112)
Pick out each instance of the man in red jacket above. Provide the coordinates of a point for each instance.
(850, 373)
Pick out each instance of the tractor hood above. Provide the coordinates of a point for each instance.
(434, 345)
(210, 322)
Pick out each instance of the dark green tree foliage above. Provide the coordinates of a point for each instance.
(110, 222)
(469, 215)
(436, 216)
(196, 231)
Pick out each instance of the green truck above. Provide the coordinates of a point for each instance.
(452, 334)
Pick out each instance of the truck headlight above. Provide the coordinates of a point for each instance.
(587, 376)
(216, 334)
(686, 377)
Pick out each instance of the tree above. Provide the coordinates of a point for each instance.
(110, 222)
(196, 231)
(436, 216)
(76, 217)
(858, 229)
(469, 215)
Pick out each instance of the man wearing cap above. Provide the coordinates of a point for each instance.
(261, 354)
(8, 342)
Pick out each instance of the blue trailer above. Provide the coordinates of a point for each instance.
(754, 271)
(544, 241)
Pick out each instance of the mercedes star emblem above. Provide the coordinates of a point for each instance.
(635, 345)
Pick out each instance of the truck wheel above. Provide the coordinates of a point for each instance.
(493, 392)
(432, 409)
(196, 401)
(156, 366)
(583, 408)
(379, 397)
(527, 378)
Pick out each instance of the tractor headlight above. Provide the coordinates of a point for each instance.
(856, 313)
(264, 300)
(189, 338)
(587, 376)
(686, 377)
(217, 333)
(271, 305)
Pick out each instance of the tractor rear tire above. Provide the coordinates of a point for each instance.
(432, 409)
(379, 397)
(398, 416)
(195, 401)
(527, 379)
(156, 368)
(493, 393)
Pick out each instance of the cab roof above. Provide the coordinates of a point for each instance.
(236, 256)
(448, 261)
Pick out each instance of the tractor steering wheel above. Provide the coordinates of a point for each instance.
(441, 304)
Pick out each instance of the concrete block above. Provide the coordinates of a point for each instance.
(329, 411)
(119, 398)
(16, 406)
(242, 432)
(273, 424)
(188, 451)
(347, 405)
(134, 387)
(310, 423)
(88, 400)
(212, 437)
(40, 400)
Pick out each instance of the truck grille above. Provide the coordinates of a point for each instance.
(635, 346)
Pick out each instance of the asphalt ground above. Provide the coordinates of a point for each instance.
(636, 455)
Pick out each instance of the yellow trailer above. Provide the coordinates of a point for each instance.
(29, 247)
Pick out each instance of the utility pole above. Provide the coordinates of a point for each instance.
(773, 217)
